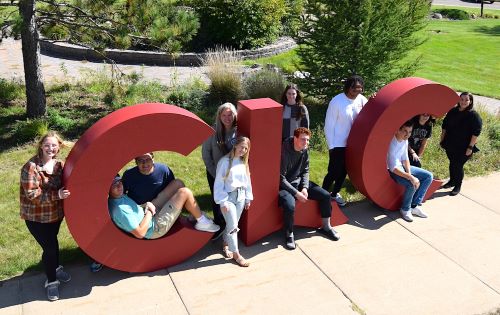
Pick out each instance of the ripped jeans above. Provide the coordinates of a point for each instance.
(232, 216)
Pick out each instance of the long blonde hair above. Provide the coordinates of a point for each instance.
(244, 158)
(49, 134)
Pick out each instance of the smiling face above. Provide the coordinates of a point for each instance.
(50, 148)
(227, 118)
(423, 118)
(464, 102)
(145, 164)
(301, 142)
(403, 133)
(240, 149)
(291, 96)
(354, 90)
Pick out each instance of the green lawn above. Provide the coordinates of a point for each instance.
(464, 55)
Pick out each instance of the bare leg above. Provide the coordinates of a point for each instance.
(184, 198)
(167, 193)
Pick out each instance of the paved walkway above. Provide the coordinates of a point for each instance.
(446, 264)
(55, 69)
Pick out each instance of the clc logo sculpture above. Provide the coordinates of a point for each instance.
(117, 138)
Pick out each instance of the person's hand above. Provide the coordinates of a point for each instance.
(415, 157)
(63, 193)
(373, 95)
(300, 196)
(468, 152)
(247, 205)
(305, 193)
(150, 207)
(414, 181)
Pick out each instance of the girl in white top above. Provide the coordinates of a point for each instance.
(233, 192)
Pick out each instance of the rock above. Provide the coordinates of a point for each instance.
(437, 16)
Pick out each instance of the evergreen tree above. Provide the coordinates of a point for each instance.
(369, 38)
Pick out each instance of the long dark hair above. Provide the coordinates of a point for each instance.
(298, 100)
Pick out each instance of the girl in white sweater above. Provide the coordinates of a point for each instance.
(233, 192)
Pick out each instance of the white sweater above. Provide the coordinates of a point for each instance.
(237, 178)
(339, 118)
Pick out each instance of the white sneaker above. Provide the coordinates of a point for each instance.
(340, 201)
(406, 215)
(205, 224)
(419, 212)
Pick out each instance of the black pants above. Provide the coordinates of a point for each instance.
(218, 218)
(287, 202)
(457, 160)
(46, 235)
(336, 170)
(413, 162)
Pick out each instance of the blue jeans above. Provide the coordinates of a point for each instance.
(232, 217)
(413, 197)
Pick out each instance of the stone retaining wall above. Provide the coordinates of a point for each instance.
(151, 58)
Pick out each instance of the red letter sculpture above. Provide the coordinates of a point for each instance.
(375, 126)
(93, 162)
(261, 121)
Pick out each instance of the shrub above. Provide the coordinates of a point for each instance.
(190, 96)
(238, 24)
(30, 129)
(453, 14)
(264, 83)
(10, 90)
(318, 139)
(225, 79)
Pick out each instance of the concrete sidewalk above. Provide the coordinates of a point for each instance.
(446, 264)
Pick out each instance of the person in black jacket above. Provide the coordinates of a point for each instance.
(461, 127)
(295, 186)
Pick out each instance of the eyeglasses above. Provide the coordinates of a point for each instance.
(143, 161)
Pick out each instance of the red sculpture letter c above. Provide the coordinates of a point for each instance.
(375, 126)
(95, 159)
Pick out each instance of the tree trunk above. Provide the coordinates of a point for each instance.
(35, 90)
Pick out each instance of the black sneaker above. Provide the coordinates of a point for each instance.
(455, 191)
(447, 185)
(290, 243)
(331, 234)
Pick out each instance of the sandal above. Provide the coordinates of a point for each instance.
(241, 261)
(227, 252)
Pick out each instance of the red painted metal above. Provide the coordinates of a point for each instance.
(375, 126)
(93, 162)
